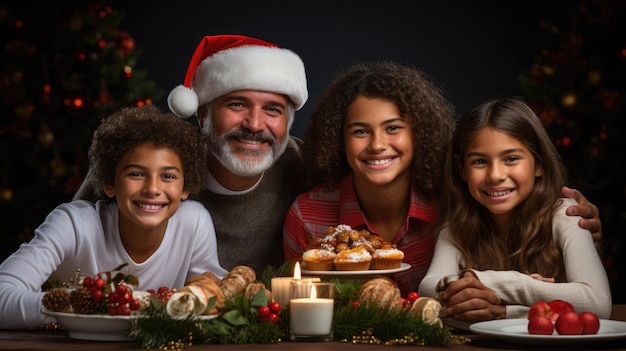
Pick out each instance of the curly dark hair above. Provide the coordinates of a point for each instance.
(131, 127)
(430, 115)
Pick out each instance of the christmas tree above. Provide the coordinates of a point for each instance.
(577, 85)
(64, 67)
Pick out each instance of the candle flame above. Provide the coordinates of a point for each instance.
(296, 271)
(313, 292)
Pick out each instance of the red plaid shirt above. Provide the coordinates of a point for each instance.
(317, 209)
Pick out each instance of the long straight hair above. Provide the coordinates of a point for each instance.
(527, 246)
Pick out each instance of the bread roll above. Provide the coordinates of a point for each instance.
(427, 309)
(382, 292)
(237, 280)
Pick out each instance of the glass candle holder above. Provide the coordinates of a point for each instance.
(311, 308)
(281, 288)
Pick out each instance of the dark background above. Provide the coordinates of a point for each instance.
(473, 49)
(56, 53)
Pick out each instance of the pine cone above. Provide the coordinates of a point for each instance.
(57, 300)
(82, 301)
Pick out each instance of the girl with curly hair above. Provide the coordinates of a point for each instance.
(507, 242)
(147, 163)
(375, 151)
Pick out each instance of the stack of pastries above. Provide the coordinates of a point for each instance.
(346, 249)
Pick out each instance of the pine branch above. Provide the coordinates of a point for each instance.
(239, 322)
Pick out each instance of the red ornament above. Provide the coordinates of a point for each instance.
(128, 72)
(609, 103)
(125, 44)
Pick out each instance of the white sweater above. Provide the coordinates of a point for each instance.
(587, 287)
(83, 235)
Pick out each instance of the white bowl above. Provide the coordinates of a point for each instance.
(99, 327)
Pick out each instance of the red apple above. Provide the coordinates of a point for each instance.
(559, 306)
(541, 308)
(541, 325)
(591, 323)
(569, 323)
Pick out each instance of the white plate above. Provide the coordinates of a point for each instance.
(100, 327)
(516, 330)
(354, 274)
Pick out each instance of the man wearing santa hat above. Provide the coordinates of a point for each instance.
(245, 92)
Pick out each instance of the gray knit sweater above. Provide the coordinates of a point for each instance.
(249, 227)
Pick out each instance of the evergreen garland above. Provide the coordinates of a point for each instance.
(239, 323)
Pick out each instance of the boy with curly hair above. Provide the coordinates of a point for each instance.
(147, 163)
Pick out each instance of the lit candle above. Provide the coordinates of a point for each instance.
(311, 316)
(281, 285)
(280, 290)
(296, 271)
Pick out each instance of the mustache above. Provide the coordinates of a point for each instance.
(242, 133)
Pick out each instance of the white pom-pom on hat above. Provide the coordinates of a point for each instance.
(183, 101)
(225, 63)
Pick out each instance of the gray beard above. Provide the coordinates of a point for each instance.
(218, 145)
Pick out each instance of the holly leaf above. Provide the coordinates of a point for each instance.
(259, 299)
(211, 303)
(235, 317)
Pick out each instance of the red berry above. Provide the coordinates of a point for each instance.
(121, 289)
(134, 305)
(591, 323)
(541, 325)
(99, 283)
(87, 282)
(123, 310)
(274, 307)
(355, 304)
(569, 323)
(413, 296)
(97, 295)
(113, 297)
(273, 318)
(127, 297)
(263, 311)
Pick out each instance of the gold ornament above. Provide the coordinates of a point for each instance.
(58, 167)
(45, 137)
(6, 194)
(595, 77)
(568, 100)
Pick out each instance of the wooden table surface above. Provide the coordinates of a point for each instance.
(59, 340)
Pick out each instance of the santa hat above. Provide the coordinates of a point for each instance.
(225, 63)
